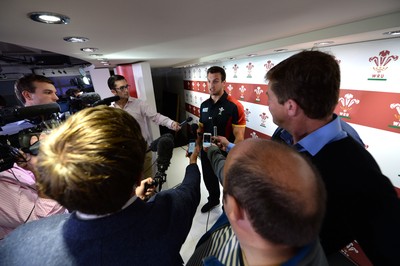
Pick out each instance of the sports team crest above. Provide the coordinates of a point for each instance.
(381, 64)
(346, 103)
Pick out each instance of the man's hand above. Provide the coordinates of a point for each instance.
(194, 155)
(146, 189)
(175, 126)
(221, 142)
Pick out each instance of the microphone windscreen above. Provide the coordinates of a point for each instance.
(89, 98)
(164, 150)
(107, 101)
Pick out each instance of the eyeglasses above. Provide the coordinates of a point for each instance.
(123, 87)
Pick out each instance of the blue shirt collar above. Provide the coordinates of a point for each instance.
(315, 141)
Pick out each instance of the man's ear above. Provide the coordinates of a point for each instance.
(232, 209)
(27, 95)
(114, 92)
(292, 107)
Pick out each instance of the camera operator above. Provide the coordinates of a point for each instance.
(92, 164)
(20, 199)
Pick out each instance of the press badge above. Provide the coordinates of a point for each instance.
(205, 110)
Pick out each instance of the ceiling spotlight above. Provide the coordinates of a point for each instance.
(49, 18)
(76, 39)
(251, 55)
(53, 72)
(232, 58)
(323, 43)
(59, 71)
(96, 55)
(392, 33)
(43, 73)
(89, 49)
(65, 72)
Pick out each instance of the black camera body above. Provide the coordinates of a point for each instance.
(41, 117)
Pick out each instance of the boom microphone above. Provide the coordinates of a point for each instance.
(186, 121)
(107, 101)
(164, 151)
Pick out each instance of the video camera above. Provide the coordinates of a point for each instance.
(35, 120)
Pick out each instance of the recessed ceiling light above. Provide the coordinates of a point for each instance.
(96, 55)
(392, 33)
(89, 49)
(280, 50)
(76, 39)
(232, 58)
(251, 55)
(323, 43)
(49, 18)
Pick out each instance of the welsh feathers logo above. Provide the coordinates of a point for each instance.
(396, 122)
(381, 64)
(346, 103)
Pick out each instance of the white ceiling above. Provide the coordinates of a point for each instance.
(176, 33)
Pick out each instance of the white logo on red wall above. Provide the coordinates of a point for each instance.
(396, 123)
(253, 135)
(381, 64)
(346, 103)
(242, 89)
(204, 86)
(258, 92)
(230, 88)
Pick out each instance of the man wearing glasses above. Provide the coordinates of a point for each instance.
(140, 110)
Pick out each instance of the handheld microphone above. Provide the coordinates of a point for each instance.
(189, 119)
(107, 101)
(164, 151)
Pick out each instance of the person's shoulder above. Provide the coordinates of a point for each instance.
(234, 101)
(37, 234)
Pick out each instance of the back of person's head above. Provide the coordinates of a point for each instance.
(311, 79)
(111, 81)
(73, 92)
(217, 69)
(280, 191)
(92, 162)
(26, 83)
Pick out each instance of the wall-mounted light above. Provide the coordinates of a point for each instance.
(76, 39)
(49, 18)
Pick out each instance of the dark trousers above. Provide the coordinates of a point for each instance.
(210, 179)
